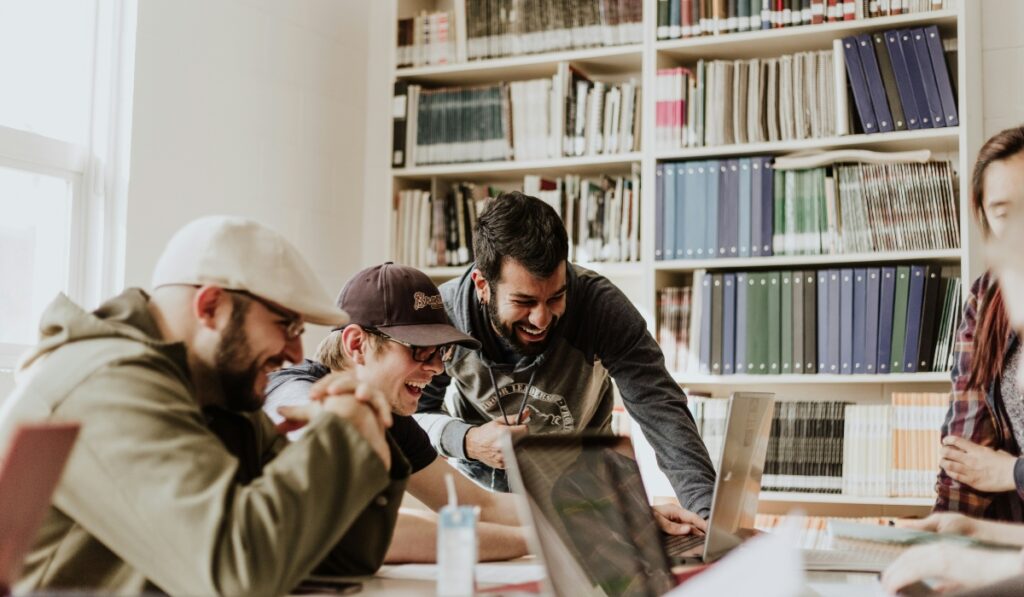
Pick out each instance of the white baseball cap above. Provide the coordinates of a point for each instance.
(239, 254)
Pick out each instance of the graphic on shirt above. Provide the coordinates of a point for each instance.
(548, 412)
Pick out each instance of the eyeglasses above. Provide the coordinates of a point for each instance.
(292, 324)
(420, 354)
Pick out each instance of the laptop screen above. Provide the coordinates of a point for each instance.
(588, 492)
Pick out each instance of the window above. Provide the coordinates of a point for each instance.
(64, 126)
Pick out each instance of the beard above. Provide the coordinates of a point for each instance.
(508, 333)
(237, 382)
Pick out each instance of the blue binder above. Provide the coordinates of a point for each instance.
(915, 302)
(835, 302)
(668, 224)
(728, 210)
(744, 205)
(756, 171)
(860, 296)
(876, 88)
(712, 178)
(916, 80)
(659, 212)
(698, 223)
(682, 197)
(931, 89)
(767, 211)
(823, 321)
(859, 86)
(886, 302)
(903, 85)
(946, 96)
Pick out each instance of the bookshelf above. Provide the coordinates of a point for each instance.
(641, 280)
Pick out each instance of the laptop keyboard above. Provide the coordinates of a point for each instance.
(678, 545)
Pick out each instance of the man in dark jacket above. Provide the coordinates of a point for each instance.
(554, 336)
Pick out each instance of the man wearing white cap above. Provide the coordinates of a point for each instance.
(179, 482)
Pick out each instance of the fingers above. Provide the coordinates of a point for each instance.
(375, 400)
(297, 416)
(335, 384)
(518, 431)
(959, 443)
(952, 454)
(952, 467)
(917, 563)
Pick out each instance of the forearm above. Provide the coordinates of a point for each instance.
(500, 509)
(415, 540)
(1007, 533)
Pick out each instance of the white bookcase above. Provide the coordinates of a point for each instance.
(642, 279)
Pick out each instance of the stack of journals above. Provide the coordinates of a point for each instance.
(894, 449)
(601, 216)
(863, 320)
(900, 80)
(565, 115)
(745, 208)
(873, 450)
(425, 39)
(691, 18)
(497, 28)
(723, 102)
(816, 533)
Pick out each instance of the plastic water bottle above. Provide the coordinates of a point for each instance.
(456, 547)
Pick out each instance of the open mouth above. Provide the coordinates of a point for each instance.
(530, 333)
(415, 388)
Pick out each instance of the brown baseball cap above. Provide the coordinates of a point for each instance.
(403, 303)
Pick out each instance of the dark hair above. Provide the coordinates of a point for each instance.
(521, 228)
(993, 330)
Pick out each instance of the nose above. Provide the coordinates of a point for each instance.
(293, 350)
(540, 317)
(434, 366)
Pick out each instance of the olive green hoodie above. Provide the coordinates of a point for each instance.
(160, 495)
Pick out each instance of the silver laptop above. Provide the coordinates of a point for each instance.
(591, 521)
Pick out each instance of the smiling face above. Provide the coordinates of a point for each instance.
(389, 367)
(523, 308)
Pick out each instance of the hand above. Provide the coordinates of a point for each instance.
(953, 566)
(676, 520)
(942, 522)
(978, 466)
(345, 384)
(483, 443)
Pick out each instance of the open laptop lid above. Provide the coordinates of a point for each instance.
(738, 485)
(592, 522)
(29, 473)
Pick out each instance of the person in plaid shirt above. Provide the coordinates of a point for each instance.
(982, 474)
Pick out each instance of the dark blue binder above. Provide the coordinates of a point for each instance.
(915, 301)
(659, 212)
(698, 223)
(871, 309)
(682, 197)
(712, 177)
(876, 88)
(728, 323)
(740, 356)
(903, 84)
(822, 321)
(767, 211)
(744, 206)
(931, 89)
(846, 321)
(860, 296)
(859, 85)
(669, 223)
(756, 172)
(886, 300)
(835, 302)
(941, 70)
(705, 324)
(916, 80)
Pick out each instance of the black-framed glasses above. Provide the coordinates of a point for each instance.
(420, 354)
(293, 324)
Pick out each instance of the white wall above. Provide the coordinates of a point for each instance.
(1003, 64)
(255, 108)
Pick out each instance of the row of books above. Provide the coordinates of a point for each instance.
(815, 532)
(567, 114)
(692, 18)
(425, 39)
(884, 450)
(893, 449)
(498, 28)
(745, 207)
(863, 320)
(900, 79)
(601, 216)
(725, 102)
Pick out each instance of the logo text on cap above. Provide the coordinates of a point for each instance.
(423, 301)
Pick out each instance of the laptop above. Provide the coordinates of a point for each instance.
(29, 473)
(592, 524)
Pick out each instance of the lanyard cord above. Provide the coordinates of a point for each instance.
(504, 415)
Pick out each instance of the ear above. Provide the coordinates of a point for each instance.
(353, 342)
(483, 289)
(206, 304)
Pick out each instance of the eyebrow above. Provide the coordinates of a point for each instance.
(518, 295)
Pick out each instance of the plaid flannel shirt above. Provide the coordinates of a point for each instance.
(981, 418)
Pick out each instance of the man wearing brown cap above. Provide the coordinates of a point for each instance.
(398, 339)
(179, 483)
